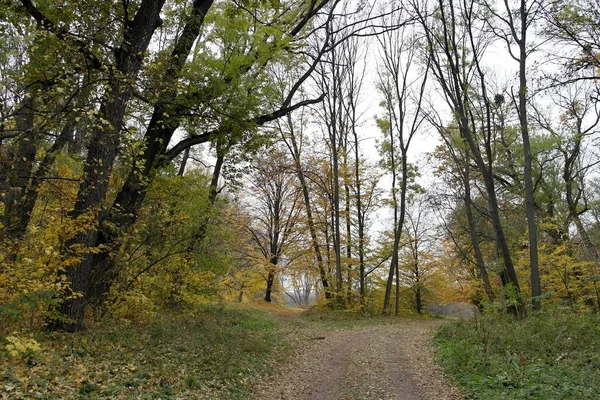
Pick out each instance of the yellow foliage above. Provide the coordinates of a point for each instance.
(565, 276)
(21, 347)
(30, 269)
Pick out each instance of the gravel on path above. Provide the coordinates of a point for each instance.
(383, 361)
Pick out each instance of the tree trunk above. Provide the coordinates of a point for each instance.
(270, 283)
(308, 208)
(536, 290)
(103, 147)
(418, 302)
(473, 232)
(184, 160)
(488, 178)
(348, 230)
(397, 234)
(397, 299)
(360, 222)
(15, 218)
(336, 221)
(159, 132)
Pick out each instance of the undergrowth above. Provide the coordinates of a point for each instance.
(215, 353)
(548, 355)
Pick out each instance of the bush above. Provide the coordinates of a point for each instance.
(550, 355)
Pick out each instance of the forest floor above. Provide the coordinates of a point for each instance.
(229, 352)
(374, 360)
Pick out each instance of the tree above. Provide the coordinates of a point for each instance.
(276, 208)
(294, 139)
(448, 42)
(458, 156)
(402, 87)
(40, 109)
(574, 26)
(578, 121)
(417, 249)
(131, 36)
(331, 78)
(514, 28)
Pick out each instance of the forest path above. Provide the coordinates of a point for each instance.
(383, 361)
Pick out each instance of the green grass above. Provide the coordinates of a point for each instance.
(216, 353)
(549, 355)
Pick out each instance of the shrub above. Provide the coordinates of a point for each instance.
(550, 355)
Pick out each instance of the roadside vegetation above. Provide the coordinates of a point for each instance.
(549, 355)
(162, 158)
(215, 352)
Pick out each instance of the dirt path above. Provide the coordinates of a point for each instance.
(391, 361)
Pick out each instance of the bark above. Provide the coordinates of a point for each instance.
(103, 147)
(270, 283)
(536, 290)
(473, 233)
(17, 176)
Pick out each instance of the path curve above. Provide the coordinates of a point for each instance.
(390, 361)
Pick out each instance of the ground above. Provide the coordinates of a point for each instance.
(229, 352)
(378, 361)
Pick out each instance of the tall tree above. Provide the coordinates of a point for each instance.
(459, 155)
(105, 139)
(514, 26)
(294, 139)
(356, 78)
(402, 85)
(447, 46)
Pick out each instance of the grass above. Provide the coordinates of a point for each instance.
(216, 353)
(549, 355)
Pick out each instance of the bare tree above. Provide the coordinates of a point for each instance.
(447, 46)
(513, 27)
(294, 139)
(417, 249)
(275, 202)
(402, 85)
